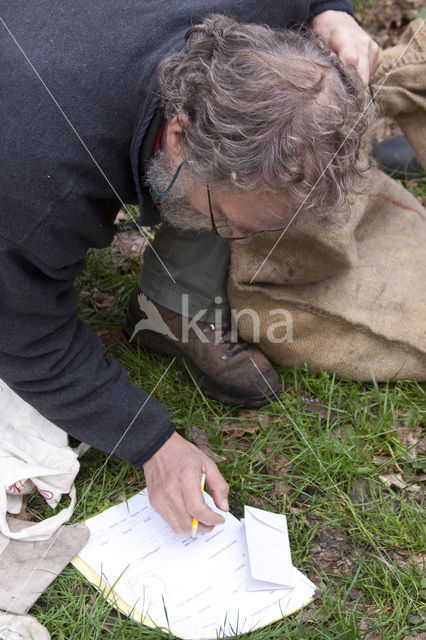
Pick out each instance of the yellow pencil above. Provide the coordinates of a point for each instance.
(194, 528)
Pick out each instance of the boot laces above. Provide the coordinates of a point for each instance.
(226, 338)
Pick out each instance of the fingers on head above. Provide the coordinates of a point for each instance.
(376, 56)
(350, 56)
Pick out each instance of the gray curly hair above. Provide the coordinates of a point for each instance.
(269, 110)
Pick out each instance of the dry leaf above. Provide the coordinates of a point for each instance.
(278, 464)
(381, 459)
(129, 244)
(334, 553)
(279, 489)
(393, 480)
(120, 217)
(396, 480)
(419, 560)
(403, 560)
(413, 439)
(262, 418)
(364, 624)
(103, 300)
(107, 335)
(259, 457)
(238, 429)
(241, 444)
(246, 422)
(419, 478)
(200, 438)
(362, 493)
(386, 20)
(316, 405)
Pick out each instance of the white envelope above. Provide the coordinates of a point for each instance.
(268, 550)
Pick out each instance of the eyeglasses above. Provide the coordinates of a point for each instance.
(226, 231)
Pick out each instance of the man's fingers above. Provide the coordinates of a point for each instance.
(175, 515)
(341, 33)
(349, 55)
(204, 514)
(197, 508)
(218, 487)
(376, 57)
(173, 476)
(363, 68)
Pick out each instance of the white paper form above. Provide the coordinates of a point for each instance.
(194, 587)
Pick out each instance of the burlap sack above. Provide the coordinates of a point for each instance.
(355, 291)
(399, 86)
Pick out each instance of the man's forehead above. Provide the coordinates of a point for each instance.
(252, 204)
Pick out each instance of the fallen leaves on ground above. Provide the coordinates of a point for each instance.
(120, 217)
(246, 422)
(334, 552)
(387, 19)
(238, 433)
(279, 489)
(316, 405)
(396, 480)
(414, 439)
(363, 493)
(129, 244)
(278, 464)
(102, 300)
(200, 438)
(405, 559)
(108, 335)
(394, 473)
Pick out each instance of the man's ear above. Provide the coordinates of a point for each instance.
(172, 138)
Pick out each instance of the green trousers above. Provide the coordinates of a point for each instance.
(187, 271)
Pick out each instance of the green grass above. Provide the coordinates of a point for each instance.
(328, 439)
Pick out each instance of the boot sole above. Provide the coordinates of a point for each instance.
(157, 343)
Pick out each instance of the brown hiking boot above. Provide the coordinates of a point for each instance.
(223, 369)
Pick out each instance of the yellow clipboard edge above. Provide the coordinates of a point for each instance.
(111, 596)
(108, 593)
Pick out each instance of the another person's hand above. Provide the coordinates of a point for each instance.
(342, 34)
(173, 477)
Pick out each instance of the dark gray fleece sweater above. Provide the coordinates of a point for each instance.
(95, 63)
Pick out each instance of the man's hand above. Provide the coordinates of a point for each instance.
(173, 476)
(349, 41)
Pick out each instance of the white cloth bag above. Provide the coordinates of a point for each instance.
(34, 455)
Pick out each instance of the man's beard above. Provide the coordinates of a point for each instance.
(174, 206)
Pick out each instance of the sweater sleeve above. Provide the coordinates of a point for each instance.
(319, 6)
(53, 360)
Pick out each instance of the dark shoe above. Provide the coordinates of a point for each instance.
(223, 369)
(396, 157)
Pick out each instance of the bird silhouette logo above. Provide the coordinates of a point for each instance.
(153, 320)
